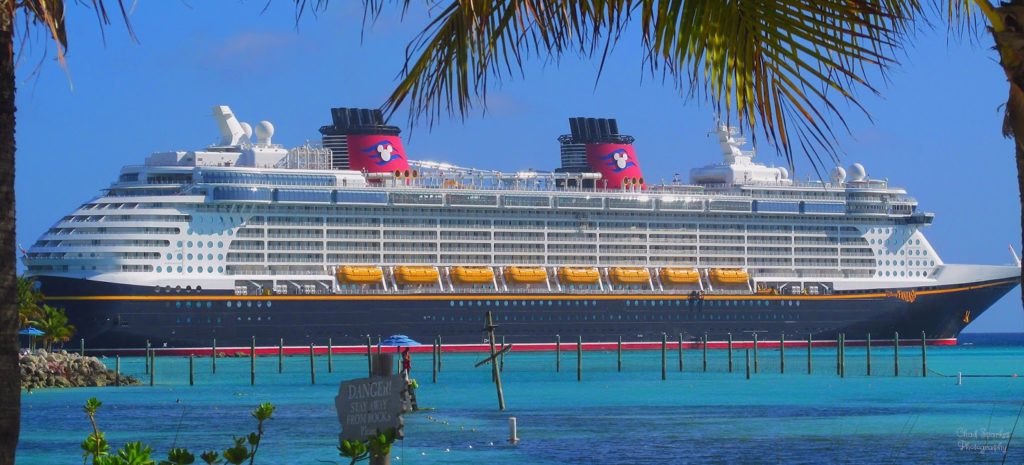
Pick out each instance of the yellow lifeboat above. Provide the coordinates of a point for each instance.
(568, 275)
(525, 275)
(673, 276)
(359, 275)
(416, 275)
(630, 275)
(728, 276)
(472, 275)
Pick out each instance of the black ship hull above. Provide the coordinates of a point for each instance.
(113, 316)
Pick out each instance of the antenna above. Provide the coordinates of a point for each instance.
(1016, 259)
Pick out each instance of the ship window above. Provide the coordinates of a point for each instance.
(220, 256)
(229, 304)
(190, 242)
(189, 256)
(179, 243)
(209, 244)
(159, 269)
(179, 269)
(199, 244)
(220, 269)
(190, 269)
(269, 304)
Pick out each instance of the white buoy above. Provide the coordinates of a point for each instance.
(513, 433)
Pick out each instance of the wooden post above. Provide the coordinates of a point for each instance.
(837, 355)
(213, 359)
(896, 353)
(579, 359)
(748, 363)
(618, 356)
(868, 354)
(440, 352)
(252, 361)
(924, 355)
(147, 356)
(433, 361)
(369, 355)
(755, 353)
(810, 344)
(330, 356)
(117, 371)
(191, 371)
(312, 366)
(280, 355)
(664, 355)
(782, 353)
(730, 352)
(704, 345)
(378, 344)
(494, 363)
(680, 352)
(501, 358)
(82, 347)
(558, 353)
(152, 367)
(842, 355)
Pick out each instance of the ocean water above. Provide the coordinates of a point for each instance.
(628, 417)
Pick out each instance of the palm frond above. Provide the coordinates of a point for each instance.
(786, 66)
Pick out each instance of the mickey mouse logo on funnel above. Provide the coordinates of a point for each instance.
(376, 153)
(617, 164)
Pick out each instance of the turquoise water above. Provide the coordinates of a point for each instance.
(609, 417)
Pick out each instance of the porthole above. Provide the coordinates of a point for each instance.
(209, 256)
(177, 304)
(179, 269)
(199, 269)
(159, 269)
(209, 244)
(259, 304)
(190, 269)
(189, 256)
(209, 304)
(269, 304)
(248, 304)
(220, 244)
(169, 256)
(229, 304)
(220, 256)
(179, 243)
(188, 304)
(220, 269)
(199, 244)
(190, 242)
(179, 256)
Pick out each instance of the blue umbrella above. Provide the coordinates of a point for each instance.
(31, 331)
(399, 340)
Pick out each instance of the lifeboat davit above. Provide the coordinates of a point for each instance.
(472, 275)
(630, 275)
(359, 274)
(569, 275)
(525, 275)
(416, 275)
(729, 276)
(674, 276)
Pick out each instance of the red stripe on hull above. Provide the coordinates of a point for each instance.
(567, 346)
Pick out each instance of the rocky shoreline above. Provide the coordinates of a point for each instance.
(43, 369)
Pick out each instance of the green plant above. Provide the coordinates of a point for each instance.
(376, 446)
(54, 323)
(96, 447)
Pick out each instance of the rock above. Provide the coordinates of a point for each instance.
(63, 369)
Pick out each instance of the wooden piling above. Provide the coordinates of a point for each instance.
(664, 355)
(558, 353)
(433, 361)
(755, 353)
(82, 347)
(312, 365)
(330, 356)
(494, 363)
(117, 371)
(501, 358)
(280, 355)
(252, 361)
(440, 352)
(704, 345)
(810, 344)
(896, 354)
(191, 371)
(837, 355)
(748, 363)
(369, 355)
(618, 355)
(213, 358)
(579, 358)
(868, 352)
(152, 367)
(730, 352)
(680, 352)
(924, 355)
(378, 344)
(842, 355)
(147, 356)
(782, 353)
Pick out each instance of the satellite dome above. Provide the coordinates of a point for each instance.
(857, 172)
(784, 173)
(838, 175)
(247, 130)
(264, 132)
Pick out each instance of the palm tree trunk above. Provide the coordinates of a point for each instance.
(10, 374)
(1008, 33)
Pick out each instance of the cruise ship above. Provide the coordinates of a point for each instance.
(354, 239)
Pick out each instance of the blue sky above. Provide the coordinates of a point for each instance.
(934, 130)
